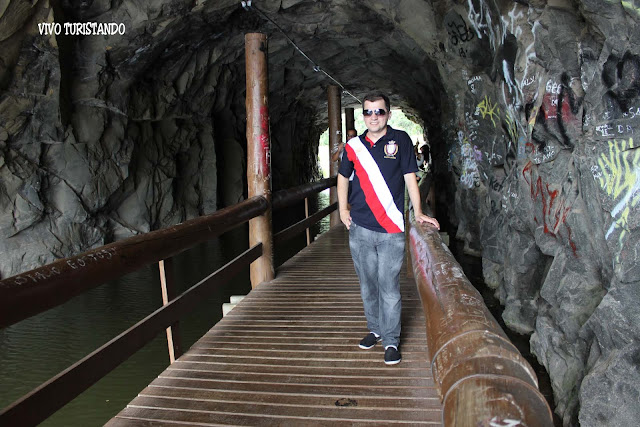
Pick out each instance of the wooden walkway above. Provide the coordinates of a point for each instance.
(288, 354)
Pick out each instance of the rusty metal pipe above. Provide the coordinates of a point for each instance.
(259, 152)
(480, 375)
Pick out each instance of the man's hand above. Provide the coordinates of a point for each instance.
(345, 217)
(421, 218)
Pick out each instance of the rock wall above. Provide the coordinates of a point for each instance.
(543, 103)
(106, 137)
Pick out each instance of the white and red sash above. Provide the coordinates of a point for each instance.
(376, 192)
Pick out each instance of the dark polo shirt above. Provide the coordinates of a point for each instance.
(393, 162)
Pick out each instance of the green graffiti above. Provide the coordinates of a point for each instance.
(487, 108)
(620, 179)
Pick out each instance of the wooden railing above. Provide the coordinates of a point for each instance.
(286, 198)
(481, 377)
(31, 293)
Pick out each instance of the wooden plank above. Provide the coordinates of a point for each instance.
(299, 389)
(288, 354)
(379, 371)
(198, 371)
(343, 340)
(226, 418)
(415, 403)
(284, 409)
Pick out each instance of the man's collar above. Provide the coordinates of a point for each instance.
(388, 134)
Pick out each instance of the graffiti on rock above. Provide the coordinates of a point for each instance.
(458, 31)
(460, 34)
(481, 20)
(496, 185)
(558, 116)
(511, 128)
(471, 83)
(470, 156)
(544, 155)
(621, 75)
(488, 109)
(619, 178)
(528, 81)
(554, 208)
(612, 130)
(630, 6)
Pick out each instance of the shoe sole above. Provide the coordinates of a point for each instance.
(392, 362)
(367, 348)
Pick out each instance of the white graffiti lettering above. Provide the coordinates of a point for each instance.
(553, 87)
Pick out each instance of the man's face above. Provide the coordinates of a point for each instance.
(351, 134)
(376, 123)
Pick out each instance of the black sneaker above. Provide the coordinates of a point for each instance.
(392, 356)
(369, 341)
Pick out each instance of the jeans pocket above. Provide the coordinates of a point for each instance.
(352, 227)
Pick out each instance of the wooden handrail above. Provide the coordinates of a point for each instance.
(480, 375)
(288, 197)
(46, 399)
(38, 290)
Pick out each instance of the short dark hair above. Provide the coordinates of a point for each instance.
(352, 130)
(373, 97)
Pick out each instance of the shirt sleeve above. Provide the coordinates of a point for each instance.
(346, 165)
(408, 157)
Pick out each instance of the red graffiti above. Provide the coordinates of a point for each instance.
(550, 106)
(557, 101)
(530, 146)
(554, 209)
(263, 143)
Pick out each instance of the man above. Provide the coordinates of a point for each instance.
(337, 154)
(384, 162)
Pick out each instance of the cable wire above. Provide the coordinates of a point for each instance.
(246, 5)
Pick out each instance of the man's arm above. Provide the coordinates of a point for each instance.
(336, 154)
(414, 195)
(343, 194)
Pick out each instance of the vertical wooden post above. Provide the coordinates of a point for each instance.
(335, 138)
(306, 215)
(349, 119)
(168, 286)
(259, 152)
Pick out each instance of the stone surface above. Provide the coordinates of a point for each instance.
(531, 109)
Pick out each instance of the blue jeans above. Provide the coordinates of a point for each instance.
(378, 258)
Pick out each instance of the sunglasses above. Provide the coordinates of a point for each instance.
(377, 112)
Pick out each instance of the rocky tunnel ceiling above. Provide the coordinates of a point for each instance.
(530, 106)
